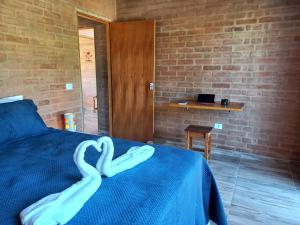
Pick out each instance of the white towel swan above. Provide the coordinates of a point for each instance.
(134, 156)
(61, 207)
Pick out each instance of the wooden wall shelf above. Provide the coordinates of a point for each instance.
(233, 106)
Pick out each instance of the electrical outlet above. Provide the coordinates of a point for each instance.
(218, 126)
(69, 86)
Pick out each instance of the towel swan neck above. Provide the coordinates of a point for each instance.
(78, 157)
(61, 207)
(105, 160)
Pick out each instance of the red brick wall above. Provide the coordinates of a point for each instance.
(245, 50)
(39, 52)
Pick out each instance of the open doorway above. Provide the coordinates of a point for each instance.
(94, 75)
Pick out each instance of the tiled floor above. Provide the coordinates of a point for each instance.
(257, 190)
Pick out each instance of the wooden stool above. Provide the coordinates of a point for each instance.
(193, 131)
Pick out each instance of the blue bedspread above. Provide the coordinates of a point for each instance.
(174, 187)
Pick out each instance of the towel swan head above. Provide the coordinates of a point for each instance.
(105, 160)
(78, 157)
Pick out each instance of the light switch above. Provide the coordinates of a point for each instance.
(69, 86)
(218, 126)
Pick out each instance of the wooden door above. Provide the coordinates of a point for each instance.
(132, 72)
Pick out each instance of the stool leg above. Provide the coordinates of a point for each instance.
(210, 137)
(207, 146)
(188, 141)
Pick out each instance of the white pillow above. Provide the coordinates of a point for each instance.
(11, 99)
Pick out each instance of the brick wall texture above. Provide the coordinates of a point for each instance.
(244, 50)
(39, 52)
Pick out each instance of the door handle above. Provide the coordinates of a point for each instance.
(95, 103)
(151, 86)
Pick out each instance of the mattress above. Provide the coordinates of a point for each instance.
(173, 187)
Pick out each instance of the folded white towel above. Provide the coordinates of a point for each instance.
(134, 156)
(61, 207)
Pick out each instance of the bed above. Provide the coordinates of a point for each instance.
(173, 187)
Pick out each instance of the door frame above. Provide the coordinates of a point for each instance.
(106, 22)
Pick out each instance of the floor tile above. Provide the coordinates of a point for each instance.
(257, 190)
(266, 205)
(282, 179)
(242, 216)
(289, 195)
(265, 163)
